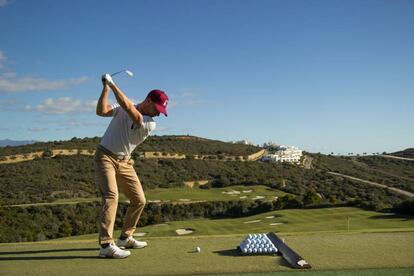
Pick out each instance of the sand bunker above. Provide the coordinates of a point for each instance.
(258, 197)
(154, 201)
(276, 223)
(243, 196)
(184, 231)
(253, 221)
(247, 191)
(184, 199)
(270, 217)
(234, 192)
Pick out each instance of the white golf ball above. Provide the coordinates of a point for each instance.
(198, 249)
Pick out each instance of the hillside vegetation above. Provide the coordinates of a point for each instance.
(49, 179)
(190, 145)
(391, 172)
(407, 153)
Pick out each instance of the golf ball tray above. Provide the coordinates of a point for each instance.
(257, 244)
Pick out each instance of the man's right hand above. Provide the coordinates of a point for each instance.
(107, 79)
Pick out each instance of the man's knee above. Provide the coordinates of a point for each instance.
(110, 197)
(139, 201)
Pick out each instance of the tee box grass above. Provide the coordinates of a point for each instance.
(375, 242)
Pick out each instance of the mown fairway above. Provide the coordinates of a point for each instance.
(212, 194)
(320, 236)
(185, 194)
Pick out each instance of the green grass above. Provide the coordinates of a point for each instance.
(175, 255)
(185, 194)
(381, 244)
(214, 194)
(292, 222)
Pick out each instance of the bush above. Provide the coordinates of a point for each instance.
(406, 207)
(47, 153)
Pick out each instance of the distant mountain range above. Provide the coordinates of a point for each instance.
(8, 142)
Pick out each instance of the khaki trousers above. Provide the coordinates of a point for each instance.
(110, 174)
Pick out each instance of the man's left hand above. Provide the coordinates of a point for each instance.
(107, 79)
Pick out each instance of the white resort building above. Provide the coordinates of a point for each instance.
(284, 154)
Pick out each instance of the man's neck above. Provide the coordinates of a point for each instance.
(141, 109)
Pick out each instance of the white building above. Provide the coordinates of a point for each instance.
(284, 154)
(243, 142)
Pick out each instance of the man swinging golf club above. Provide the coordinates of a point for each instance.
(130, 126)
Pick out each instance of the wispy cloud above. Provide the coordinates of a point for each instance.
(10, 82)
(63, 105)
(163, 129)
(5, 2)
(37, 129)
(2, 58)
(187, 99)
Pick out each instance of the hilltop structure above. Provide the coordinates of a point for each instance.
(243, 142)
(278, 154)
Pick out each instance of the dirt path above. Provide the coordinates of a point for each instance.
(158, 155)
(307, 162)
(396, 157)
(374, 184)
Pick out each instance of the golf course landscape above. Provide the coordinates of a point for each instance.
(339, 225)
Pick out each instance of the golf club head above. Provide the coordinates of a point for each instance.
(129, 73)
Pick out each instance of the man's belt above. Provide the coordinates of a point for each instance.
(119, 157)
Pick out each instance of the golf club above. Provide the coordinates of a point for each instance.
(126, 71)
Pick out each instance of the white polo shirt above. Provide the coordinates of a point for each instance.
(122, 135)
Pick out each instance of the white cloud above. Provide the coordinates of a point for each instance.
(186, 99)
(2, 58)
(63, 105)
(5, 2)
(37, 129)
(9, 82)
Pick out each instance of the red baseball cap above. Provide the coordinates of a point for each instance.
(160, 99)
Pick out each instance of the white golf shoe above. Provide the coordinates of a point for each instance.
(113, 251)
(130, 242)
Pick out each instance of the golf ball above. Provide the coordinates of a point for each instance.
(198, 249)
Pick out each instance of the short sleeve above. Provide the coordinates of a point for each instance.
(115, 108)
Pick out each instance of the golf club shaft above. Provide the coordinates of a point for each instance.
(113, 74)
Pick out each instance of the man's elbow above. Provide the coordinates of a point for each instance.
(101, 113)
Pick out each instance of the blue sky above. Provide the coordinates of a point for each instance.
(327, 76)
